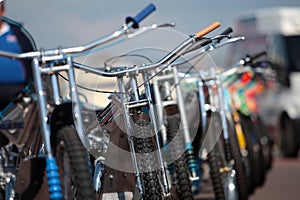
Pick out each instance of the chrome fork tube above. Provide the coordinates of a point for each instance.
(222, 105)
(201, 101)
(167, 90)
(192, 163)
(180, 102)
(129, 135)
(55, 89)
(51, 166)
(133, 84)
(41, 95)
(77, 114)
(153, 118)
(159, 108)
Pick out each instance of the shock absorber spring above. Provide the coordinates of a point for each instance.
(192, 162)
(53, 179)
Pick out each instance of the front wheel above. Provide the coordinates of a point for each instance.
(72, 161)
(227, 169)
(147, 162)
(177, 149)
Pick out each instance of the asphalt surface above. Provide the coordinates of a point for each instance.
(282, 182)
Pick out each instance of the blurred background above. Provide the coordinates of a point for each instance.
(76, 22)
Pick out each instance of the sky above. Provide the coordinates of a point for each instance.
(74, 22)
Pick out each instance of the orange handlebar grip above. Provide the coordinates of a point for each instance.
(208, 29)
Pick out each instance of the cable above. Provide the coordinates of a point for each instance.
(89, 89)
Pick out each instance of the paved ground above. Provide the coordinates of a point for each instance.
(282, 183)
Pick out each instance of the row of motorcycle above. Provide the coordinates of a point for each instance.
(173, 115)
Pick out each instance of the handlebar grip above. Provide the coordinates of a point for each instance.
(250, 58)
(227, 31)
(207, 30)
(140, 16)
(257, 55)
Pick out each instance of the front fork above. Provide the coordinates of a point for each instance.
(156, 131)
(225, 113)
(192, 162)
(51, 166)
(129, 128)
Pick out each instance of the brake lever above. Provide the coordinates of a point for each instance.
(220, 37)
(148, 28)
(230, 40)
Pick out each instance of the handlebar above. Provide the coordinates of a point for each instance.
(130, 23)
(208, 44)
(166, 60)
(244, 65)
(214, 40)
(154, 26)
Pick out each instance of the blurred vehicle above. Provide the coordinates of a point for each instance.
(277, 31)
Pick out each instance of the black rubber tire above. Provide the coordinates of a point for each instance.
(236, 123)
(72, 161)
(266, 142)
(254, 150)
(2, 194)
(227, 153)
(147, 161)
(181, 170)
(248, 173)
(288, 137)
(216, 162)
(241, 177)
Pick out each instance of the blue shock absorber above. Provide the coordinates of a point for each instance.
(191, 158)
(53, 179)
(196, 183)
(193, 166)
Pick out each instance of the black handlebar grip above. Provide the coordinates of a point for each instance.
(256, 56)
(140, 16)
(227, 31)
(250, 58)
